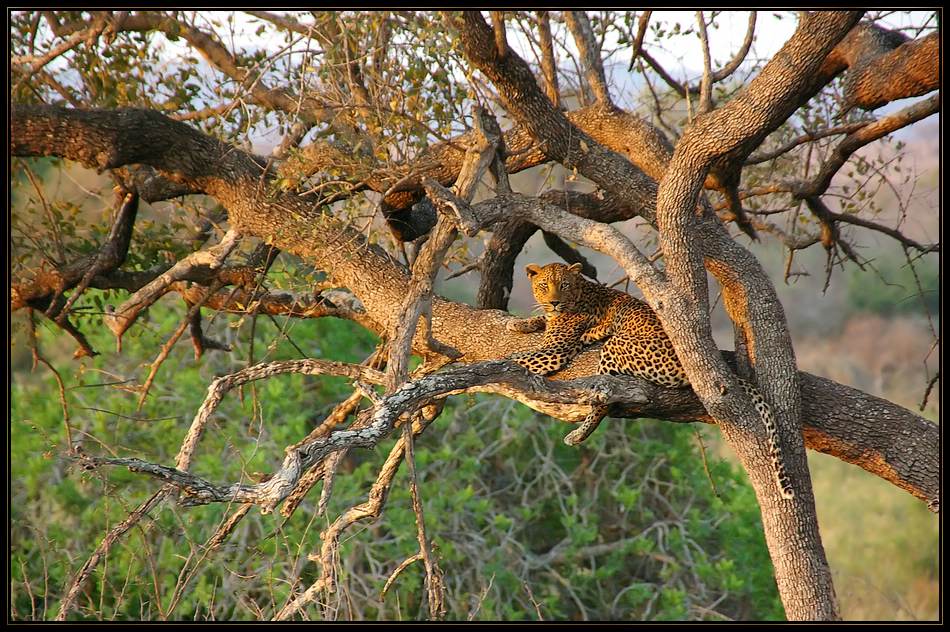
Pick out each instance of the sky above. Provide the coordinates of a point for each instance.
(772, 30)
(680, 55)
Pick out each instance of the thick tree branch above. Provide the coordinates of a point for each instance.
(832, 425)
(157, 158)
(682, 305)
(418, 301)
(881, 75)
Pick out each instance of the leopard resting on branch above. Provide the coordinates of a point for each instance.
(580, 312)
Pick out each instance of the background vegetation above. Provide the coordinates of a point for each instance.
(639, 522)
(525, 527)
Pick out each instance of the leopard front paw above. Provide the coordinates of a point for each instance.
(525, 325)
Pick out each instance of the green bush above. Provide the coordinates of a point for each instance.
(888, 287)
(626, 527)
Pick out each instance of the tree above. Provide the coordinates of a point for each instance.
(375, 109)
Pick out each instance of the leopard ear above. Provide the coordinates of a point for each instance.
(575, 267)
(532, 269)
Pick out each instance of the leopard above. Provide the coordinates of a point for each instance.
(579, 312)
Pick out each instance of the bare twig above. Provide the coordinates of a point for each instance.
(397, 571)
(34, 349)
(667, 77)
(705, 86)
(81, 576)
(435, 588)
(368, 510)
(112, 253)
(548, 62)
(186, 322)
(930, 385)
(859, 138)
(702, 451)
(808, 136)
(740, 55)
(642, 24)
(583, 34)
(327, 470)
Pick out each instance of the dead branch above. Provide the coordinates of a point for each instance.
(368, 510)
(808, 136)
(637, 46)
(101, 138)
(213, 258)
(82, 575)
(435, 588)
(112, 254)
(740, 55)
(418, 301)
(583, 34)
(548, 62)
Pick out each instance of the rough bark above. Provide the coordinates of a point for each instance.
(293, 224)
(885, 65)
(871, 55)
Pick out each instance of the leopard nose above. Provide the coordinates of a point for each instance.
(554, 304)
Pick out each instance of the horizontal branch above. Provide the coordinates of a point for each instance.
(837, 420)
(382, 419)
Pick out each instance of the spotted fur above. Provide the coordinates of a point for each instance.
(579, 312)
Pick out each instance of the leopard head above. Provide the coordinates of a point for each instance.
(556, 287)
